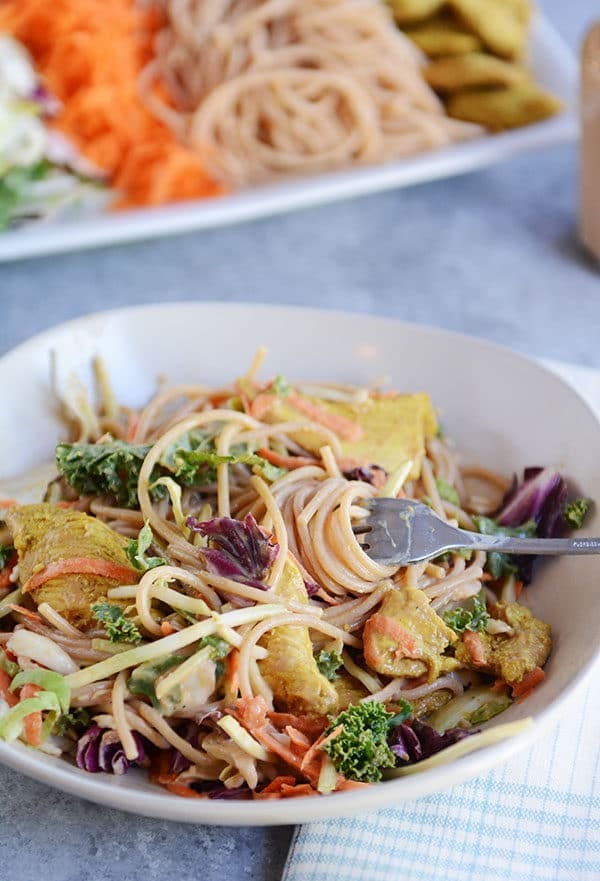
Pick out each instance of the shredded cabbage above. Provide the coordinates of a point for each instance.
(174, 642)
(49, 681)
(11, 725)
(244, 740)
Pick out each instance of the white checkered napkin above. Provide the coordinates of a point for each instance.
(536, 818)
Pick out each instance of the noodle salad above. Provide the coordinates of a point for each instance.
(190, 598)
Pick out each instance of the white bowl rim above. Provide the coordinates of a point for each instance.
(114, 792)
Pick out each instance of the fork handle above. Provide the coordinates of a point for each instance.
(541, 546)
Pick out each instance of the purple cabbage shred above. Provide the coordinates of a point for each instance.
(238, 549)
(541, 497)
(311, 587)
(415, 741)
(367, 475)
(100, 749)
(215, 789)
(179, 763)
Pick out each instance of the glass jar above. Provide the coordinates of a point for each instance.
(590, 141)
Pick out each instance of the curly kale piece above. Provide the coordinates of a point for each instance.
(575, 513)
(111, 469)
(118, 628)
(474, 619)
(360, 751)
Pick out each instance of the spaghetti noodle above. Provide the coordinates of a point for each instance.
(289, 87)
(223, 658)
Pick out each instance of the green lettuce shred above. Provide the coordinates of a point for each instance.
(447, 492)
(137, 547)
(49, 681)
(11, 724)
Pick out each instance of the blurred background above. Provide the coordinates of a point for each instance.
(494, 253)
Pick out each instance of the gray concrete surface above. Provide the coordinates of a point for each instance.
(493, 253)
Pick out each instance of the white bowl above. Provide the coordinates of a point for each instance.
(501, 408)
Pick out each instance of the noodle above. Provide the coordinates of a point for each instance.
(219, 652)
(288, 87)
(118, 710)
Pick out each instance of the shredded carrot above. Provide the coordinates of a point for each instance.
(487, 576)
(159, 768)
(344, 784)
(499, 685)
(8, 503)
(518, 589)
(243, 398)
(531, 680)
(251, 713)
(287, 792)
(132, 424)
(261, 405)
(406, 644)
(318, 745)
(231, 673)
(276, 784)
(182, 790)
(299, 742)
(27, 613)
(166, 628)
(74, 505)
(297, 790)
(81, 566)
(5, 693)
(90, 55)
(474, 645)
(219, 398)
(32, 724)
(7, 571)
(289, 462)
(311, 726)
(268, 740)
(345, 428)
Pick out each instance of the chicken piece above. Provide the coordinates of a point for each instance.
(392, 430)
(45, 534)
(472, 70)
(408, 11)
(349, 690)
(442, 35)
(499, 109)
(429, 703)
(290, 668)
(508, 656)
(521, 9)
(496, 22)
(407, 638)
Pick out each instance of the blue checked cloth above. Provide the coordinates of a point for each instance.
(536, 817)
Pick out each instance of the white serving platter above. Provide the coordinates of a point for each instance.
(553, 66)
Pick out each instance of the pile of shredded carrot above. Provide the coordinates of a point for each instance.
(90, 54)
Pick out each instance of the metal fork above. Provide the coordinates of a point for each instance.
(401, 531)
